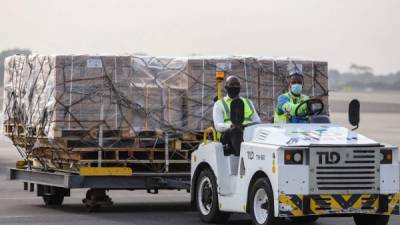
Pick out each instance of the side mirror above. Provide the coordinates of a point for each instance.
(237, 111)
(354, 113)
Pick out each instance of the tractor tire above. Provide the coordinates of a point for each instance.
(261, 203)
(207, 199)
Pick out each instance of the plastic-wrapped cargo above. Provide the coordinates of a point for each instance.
(69, 111)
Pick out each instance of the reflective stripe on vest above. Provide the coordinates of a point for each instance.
(284, 117)
(248, 112)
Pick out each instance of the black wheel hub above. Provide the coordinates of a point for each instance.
(207, 195)
(264, 206)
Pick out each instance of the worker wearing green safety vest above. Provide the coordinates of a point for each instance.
(221, 110)
(285, 110)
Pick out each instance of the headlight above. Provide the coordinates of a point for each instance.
(294, 157)
(386, 156)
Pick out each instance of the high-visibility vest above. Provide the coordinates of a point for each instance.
(226, 103)
(285, 117)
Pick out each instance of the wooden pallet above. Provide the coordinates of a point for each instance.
(145, 160)
(93, 133)
(145, 151)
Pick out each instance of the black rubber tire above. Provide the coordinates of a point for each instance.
(304, 219)
(262, 183)
(93, 195)
(371, 219)
(215, 215)
(55, 199)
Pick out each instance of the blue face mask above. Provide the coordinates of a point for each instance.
(296, 89)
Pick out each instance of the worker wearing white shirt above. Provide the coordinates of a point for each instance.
(221, 110)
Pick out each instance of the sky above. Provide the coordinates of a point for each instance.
(342, 32)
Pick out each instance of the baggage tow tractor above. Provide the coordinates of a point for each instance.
(296, 172)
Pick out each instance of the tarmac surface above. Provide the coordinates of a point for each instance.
(18, 207)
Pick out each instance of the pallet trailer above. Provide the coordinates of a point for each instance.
(53, 186)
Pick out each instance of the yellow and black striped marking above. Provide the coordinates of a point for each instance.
(394, 205)
(291, 205)
(302, 205)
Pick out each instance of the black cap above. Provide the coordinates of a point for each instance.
(232, 81)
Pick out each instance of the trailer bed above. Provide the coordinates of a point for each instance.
(54, 186)
(138, 181)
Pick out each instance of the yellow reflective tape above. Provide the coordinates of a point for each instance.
(334, 204)
(376, 203)
(286, 200)
(358, 204)
(314, 206)
(346, 197)
(105, 171)
(395, 201)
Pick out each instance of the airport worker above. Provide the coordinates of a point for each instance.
(285, 110)
(221, 110)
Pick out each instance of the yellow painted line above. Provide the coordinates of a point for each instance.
(105, 171)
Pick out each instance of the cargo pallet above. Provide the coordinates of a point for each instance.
(70, 149)
(53, 186)
(101, 169)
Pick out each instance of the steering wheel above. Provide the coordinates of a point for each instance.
(311, 110)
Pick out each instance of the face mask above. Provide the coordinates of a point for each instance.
(233, 92)
(296, 89)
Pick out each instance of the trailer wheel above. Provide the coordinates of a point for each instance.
(371, 219)
(207, 199)
(261, 203)
(95, 199)
(54, 198)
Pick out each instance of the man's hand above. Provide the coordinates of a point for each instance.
(287, 107)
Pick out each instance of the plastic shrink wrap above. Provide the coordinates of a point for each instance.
(61, 110)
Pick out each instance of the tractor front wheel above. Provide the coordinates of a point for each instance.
(261, 203)
(207, 199)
